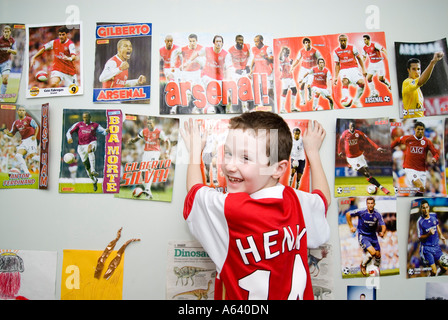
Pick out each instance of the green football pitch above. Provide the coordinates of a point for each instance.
(357, 186)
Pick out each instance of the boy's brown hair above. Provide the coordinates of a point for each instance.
(274, 126)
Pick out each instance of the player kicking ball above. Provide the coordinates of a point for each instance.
(369, 219)
(87, 143)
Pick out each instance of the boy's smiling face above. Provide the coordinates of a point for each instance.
(246, 165)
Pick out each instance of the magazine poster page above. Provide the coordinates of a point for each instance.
(208, 73)
(436, 291)
(122, 63)
(320, 262)
(337, 71)
(148, 158)
(12, 51)
(418, 157)
(297, 175)
(190, 272)
(27, 274)
(427, 254)
(368, 236)
(54, 64)
(363, 160)
(90, 151)
(361, 293)
(422, 77)
(24, 146)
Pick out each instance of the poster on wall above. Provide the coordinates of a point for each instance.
(427, 254)
(422, 77)
(148, 157)
(191, 273)
(363, 161)
(12, 51)
(417, 153)
(122, 63)
(338, 71)
(54, 62)
(90, 151)
(368, 236)
(206, 73)
(320, 262)
(27, 274)
(24, 146)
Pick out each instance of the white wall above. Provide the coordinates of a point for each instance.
(47, 220)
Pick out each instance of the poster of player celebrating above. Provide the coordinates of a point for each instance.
(12, 51)
(363, 161)
(54, 61)
(207, 73)
(417, 151)
(422, 78)
(91, 151)
(122, 63)
(427, 254)
(148, 158)
(24, 143)
(326, 72)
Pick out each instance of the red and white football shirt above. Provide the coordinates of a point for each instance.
(258, 242)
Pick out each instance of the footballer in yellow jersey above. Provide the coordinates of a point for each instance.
(411, 94)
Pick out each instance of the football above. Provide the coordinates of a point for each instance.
(69, 158)
(42, 76)
(137, 192)
(373, 271)
(371, 189)
(444, 260)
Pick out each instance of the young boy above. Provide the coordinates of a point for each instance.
(258, 233)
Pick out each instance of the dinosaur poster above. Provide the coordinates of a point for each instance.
(190, 272)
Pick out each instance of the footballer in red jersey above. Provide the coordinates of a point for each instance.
(415, 165)
(63, 70)
(29, 133)
(347, 58)
(351, 145)
(115, 73)
(7, 48)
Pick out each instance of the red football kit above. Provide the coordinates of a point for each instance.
(151, 139)
(25, 127)
(416, 151)
(240, 58)
(353, 143)
(320, 77)
(119, 80)
(346, 57)
(61, 50)
(259, 242)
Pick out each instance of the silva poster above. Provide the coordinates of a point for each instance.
(54, 64)
(24, 143)
(91, 151)
(12, 51)
(122, 63)
(205, 73)
(338, 71)
(149, 149)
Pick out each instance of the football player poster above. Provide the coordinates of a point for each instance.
(122, 63)
(12, 51)
(427, 254)
(363, 161)
(148, 160)
(24, 145)
(54, 61)
(211, 73)
(368, 236)
(422, 77)
(90, 151)
(417, 152)
(338, 71)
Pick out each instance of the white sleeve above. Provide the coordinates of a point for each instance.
(207, 223)
(314, 213)
(110, 70)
